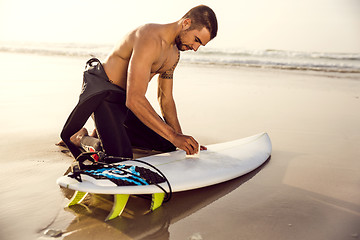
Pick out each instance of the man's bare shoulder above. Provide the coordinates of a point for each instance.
(143, 36)
(150, 28)
(149, 32)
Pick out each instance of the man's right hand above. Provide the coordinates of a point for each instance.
(186, 143)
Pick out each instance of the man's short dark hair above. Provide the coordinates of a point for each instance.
(203, 16)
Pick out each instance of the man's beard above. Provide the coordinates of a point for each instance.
(179, 44)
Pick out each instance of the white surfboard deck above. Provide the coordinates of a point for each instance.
(220, 163)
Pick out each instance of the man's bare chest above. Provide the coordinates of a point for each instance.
(166, 62)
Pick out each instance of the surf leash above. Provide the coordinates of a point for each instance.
(85, 161)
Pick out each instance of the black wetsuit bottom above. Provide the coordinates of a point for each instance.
(118, 128)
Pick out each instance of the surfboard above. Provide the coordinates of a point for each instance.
(174, 171)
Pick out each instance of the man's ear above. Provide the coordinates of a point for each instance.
(186, 24)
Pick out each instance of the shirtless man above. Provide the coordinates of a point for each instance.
(146, 51)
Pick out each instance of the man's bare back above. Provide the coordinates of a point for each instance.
(117, 63)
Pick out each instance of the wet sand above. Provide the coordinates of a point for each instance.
(309, 189)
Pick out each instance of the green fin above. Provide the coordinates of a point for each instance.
(77, 198)
(157, 200)
(120, 201)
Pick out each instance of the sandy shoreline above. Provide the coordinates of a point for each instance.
(308, 190)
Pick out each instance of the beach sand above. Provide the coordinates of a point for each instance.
(309, 189)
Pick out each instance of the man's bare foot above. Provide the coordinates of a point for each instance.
(76, 138)
(61, 144)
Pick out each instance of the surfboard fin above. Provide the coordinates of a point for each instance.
(77, 198)
(120, 201)
(157, 200)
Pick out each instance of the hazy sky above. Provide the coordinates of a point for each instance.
(305, 25)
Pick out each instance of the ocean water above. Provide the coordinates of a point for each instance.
(268, 58)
